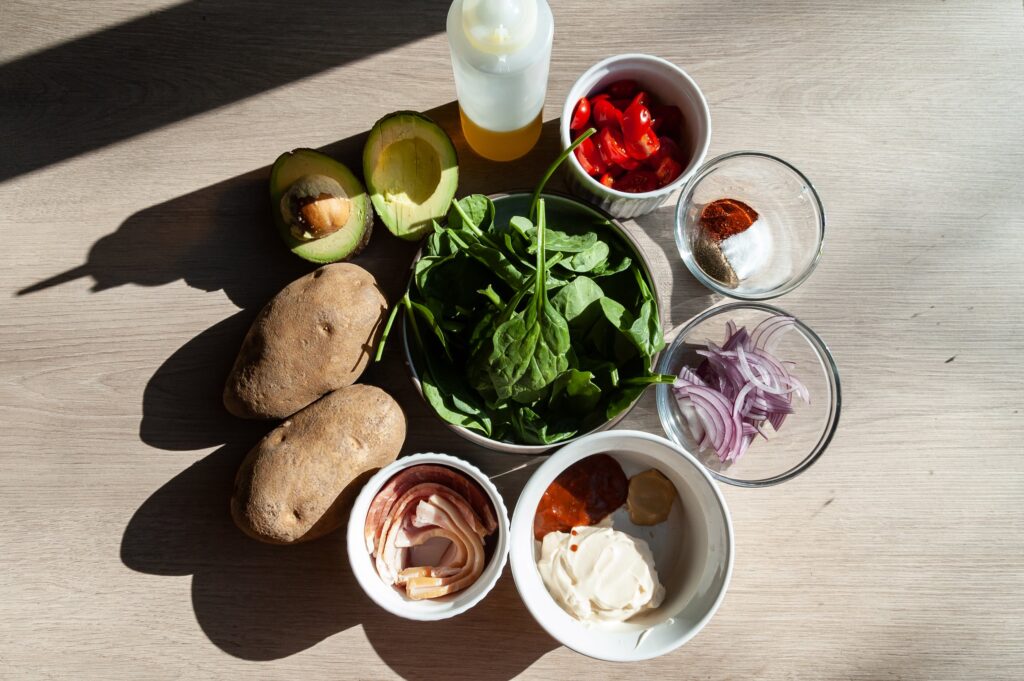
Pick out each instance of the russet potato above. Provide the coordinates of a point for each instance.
(298, 483)
(315, 336)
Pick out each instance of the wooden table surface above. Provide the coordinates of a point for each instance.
(136, 140)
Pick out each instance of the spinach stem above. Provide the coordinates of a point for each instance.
(648, 380)
(387, 327)
(473, 227)
(411, 318)
(554, 166)
(541, 285)
(465, 218)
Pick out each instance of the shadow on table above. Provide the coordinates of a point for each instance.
(181, 61)
(256, 601)
(686, 297)
(261, 602)
(221, 238)
(252, 600)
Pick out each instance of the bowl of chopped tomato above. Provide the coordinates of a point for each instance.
(653, 132)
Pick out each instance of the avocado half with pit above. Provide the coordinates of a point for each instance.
(412, 172)
(320, 208)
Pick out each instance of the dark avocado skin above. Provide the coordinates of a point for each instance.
(364, 241)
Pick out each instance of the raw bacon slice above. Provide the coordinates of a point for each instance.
(384, 502)
(419, 505)
(390, 557)
(438, 584)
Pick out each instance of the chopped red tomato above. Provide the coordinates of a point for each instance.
(610, 144)
(668, 120)
(622, 89)
(621, 104)
(637, 145)
(636, 120)
(668, 148)
(629, 164)
(590, 158)
(605, 113)
(642, 148)
(642, 98)
(667, 170)
(637, 181)
(581, 115)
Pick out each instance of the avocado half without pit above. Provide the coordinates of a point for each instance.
(321, 209)
(411, 171)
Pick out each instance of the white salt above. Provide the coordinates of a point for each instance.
(749, 251)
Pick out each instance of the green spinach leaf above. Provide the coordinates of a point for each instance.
(529, 347)
(575, 391)
(576, 301)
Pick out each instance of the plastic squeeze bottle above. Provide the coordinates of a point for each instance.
(501, 50)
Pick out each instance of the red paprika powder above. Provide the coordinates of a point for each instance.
(726, 217)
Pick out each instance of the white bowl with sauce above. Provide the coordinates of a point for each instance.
(693, 550)
(393, 599)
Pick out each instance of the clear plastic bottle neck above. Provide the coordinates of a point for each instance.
(499, 27)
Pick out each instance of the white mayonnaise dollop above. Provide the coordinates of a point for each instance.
(608, 578)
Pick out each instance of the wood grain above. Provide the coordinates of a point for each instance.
(137, 251)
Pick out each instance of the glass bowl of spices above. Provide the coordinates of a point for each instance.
(750, 226)
(757, 397)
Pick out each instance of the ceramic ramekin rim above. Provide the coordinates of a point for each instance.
(699, 154)
(524, 569)
(367, 577)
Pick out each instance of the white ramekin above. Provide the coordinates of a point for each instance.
(392, 599)
(670, 85)
(688, 604)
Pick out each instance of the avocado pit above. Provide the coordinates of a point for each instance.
(315, 206)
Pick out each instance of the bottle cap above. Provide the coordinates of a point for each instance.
(499, 26)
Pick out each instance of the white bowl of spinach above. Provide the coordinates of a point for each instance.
(530, 320)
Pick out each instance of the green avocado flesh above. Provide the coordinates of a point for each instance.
(412, 172)
(347, 241)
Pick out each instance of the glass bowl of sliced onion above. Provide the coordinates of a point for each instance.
(757, 399)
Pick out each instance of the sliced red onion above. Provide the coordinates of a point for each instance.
(724, 429)
(738, 387)
(736, 338)
(766, 334)
(687, 375)
(738, 403)
(759, 383)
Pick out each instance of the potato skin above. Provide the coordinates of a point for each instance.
(315, 336)
(299, 481)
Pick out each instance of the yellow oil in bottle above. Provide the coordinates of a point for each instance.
(501, 146)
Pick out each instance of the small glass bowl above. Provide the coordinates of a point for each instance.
(788, 206)
(803, 436)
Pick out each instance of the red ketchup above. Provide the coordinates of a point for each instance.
(584, 494)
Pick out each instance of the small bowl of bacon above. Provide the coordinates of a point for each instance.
(428, 537)
(757, 397)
